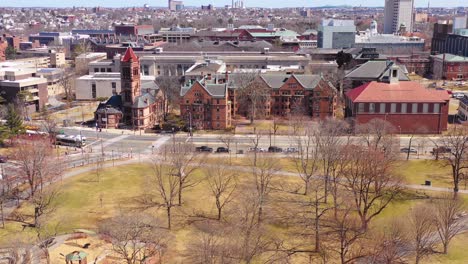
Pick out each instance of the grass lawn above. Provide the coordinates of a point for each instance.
(84, 202)
(418, 171)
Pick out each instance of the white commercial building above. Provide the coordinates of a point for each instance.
(398, 13)
(102, 85)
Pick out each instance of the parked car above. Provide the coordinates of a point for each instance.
(291, 150)
(3, 159)
(275, 149)
(252, 149)
(410, 150)
(458, 95)
(204, 149)
(440, 150)
(222, 150)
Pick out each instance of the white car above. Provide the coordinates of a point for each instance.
(458, 95)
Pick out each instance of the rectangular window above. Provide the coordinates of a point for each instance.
(109, 69)
(140, 112)
(436, 108)
(114, 85)
(382, 108)
(103, 69)
(371, 108)
(93, 90)
(403, 108)
(393, 108)
(414, 108)
(425, 108)
(361, 108)
(96, 69)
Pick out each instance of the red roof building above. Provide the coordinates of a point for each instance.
(408, 106)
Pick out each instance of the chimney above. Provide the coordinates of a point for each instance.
(394, 78)
(209, 76)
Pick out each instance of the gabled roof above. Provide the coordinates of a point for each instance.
(275, 81)
(144, 101)
(374, 70)
(129, 55)
(215, 90)
(404, 92)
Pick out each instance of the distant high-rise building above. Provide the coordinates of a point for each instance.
(459, 22)
(336, 34)
(238, 4)
(398, 13)
(175, 5)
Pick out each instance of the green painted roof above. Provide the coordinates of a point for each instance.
(279, 33)
(452, 58)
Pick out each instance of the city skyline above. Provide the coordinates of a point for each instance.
(248, 3)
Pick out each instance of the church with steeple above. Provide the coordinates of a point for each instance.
(137, 107)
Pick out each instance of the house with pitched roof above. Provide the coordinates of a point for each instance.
(407, 105)
(374, 70)
(140, 106)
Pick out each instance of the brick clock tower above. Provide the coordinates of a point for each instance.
(130, 81)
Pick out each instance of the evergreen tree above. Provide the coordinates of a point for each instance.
(14, 122)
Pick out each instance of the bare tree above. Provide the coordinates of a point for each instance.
(264, 172)
(249, 237)
(307, 159)
(329, 140)
(135, 238)
(183, 162)
(347, 236)
(170, 86)
(448, 220)
(390, 245)
(457, 159)
(44, 203)
(377, 134)
(211, 244)
(162, 190)
(223, 182)
(66, 83)
(370, 182)
(422, 232)
(227, 140)
(252, 94)
(36, 163)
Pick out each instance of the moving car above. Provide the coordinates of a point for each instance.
(291, 150)
(410, 150)
(458, 95)
(204, 149)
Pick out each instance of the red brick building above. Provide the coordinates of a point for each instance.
(449, 67)
(212, 103)
(308, 95)
(408, 106)
(140, 107)
(3, 47)
(206, 105)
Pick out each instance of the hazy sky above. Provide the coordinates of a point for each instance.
(257, 3)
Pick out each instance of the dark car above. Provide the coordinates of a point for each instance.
(441, 150)
(3, 159)
(222, 150)
(204, 149)
(275, 149)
